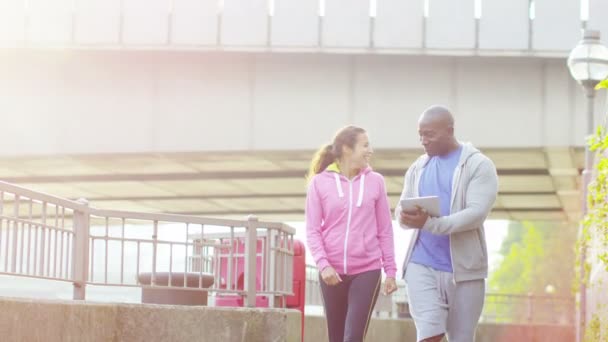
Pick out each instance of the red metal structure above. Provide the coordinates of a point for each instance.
(296, 301)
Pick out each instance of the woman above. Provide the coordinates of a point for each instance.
(349, 232)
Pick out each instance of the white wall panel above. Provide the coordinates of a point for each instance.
(12, 21)
(504, 24)
(398, 24)
(556, 27)
(50, 21)
(96, 102)
(145, 21)
(24, 79)
(500, 101)
(346, 23)
(195, 22)
(83, 103)
(295, 23)
(451, 24)
(97, 21)
(245, 22)
(301, 102)
(598, 18)
(391, 92)
(558, 104)
(205, 102)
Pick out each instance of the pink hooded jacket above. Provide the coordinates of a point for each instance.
(348, 222)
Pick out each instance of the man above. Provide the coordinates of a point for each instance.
(447, 261)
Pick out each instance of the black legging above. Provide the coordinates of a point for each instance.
(349, 305)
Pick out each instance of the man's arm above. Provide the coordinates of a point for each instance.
(480, 197)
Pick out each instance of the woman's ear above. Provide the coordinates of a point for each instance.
(346, 150)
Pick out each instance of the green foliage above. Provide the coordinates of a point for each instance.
(593, 332)
(602, 85)
(598, 143)
(595, 224)
(534, 255)
(515, 234)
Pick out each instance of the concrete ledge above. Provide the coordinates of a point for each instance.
(47, 320)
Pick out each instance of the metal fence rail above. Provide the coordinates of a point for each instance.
(528, 309)
(36, 234)
(43, 236)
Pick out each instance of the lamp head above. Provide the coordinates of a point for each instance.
(588, 61)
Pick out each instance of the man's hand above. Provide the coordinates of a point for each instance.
(414, 219)
(330, 276)
(390, 286)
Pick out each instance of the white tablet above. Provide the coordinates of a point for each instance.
(429, 203)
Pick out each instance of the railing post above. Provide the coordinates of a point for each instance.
(80, 252)
(15, 247)
(272, 268)
(530, 308)
(250, 260)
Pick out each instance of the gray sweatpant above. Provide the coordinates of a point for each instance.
(440, 306)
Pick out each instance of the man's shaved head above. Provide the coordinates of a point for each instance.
(439, 114)
(436, 129)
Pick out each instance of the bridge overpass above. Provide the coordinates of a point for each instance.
(232, 133)
(196, 107)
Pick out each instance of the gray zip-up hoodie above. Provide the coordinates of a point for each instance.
(474, 190)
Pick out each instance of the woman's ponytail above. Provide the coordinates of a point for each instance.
(321, 160)
(347, 136)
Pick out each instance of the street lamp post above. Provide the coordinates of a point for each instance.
(588, 64)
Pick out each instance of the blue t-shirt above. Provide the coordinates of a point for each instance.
(434, 250)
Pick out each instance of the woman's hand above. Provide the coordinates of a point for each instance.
(330, 276)
(390, 286)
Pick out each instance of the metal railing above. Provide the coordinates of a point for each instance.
(528, 309)
(498, 308)
(43, 236)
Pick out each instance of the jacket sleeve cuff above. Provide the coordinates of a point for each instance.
(322, 264)
(428, 225)
(390, 273)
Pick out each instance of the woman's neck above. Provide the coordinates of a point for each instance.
(347, 169)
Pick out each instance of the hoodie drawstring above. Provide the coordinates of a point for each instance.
(339, 185)
(361, 190)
